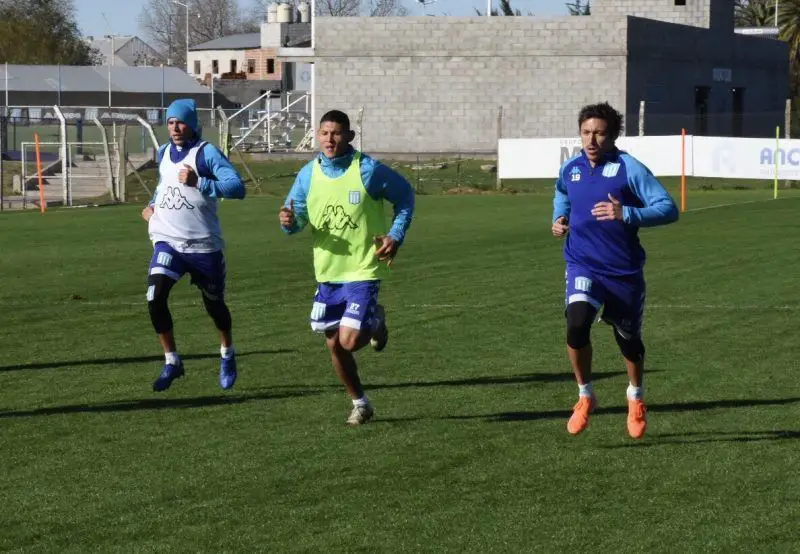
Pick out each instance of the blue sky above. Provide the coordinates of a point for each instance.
(123, 15)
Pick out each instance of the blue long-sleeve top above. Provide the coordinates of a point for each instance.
(217, 178)
(380, 181)
(609, 247)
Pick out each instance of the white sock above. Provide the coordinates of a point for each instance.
(172, 358)
(227, 351)
(585, 390)
(635, 393)
(361, 402)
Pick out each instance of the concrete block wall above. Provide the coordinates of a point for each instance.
(666, 63)
(437, 84)
(696, 13)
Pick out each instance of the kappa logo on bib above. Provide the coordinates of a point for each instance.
(174, 200)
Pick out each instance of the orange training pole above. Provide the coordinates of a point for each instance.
(683, 170)
(42, 203)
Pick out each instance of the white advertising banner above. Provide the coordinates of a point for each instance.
(534, 158)
(746, 158)
(542, 158)
(661, 154)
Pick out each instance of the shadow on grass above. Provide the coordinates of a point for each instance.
(160, 403)
(476, 381)
(497, 380)
(710, 437)
(133, 360)
(653, 408)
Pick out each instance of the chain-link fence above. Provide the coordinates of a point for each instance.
(23, 122)
(462, 172)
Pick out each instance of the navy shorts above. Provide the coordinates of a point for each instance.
(344, 304)
(621, 298)
(207, 269)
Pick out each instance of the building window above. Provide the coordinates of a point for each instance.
(701, 101)
(251, 66)
(270, 66)
(233, 66)
(738, 112)
(215, 67)
(680, 2)
(197, 67)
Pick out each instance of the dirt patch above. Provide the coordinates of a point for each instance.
(466, 190)
(473, 190)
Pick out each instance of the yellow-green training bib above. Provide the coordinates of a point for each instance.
(344, 221)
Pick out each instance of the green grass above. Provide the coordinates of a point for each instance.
(468, 452)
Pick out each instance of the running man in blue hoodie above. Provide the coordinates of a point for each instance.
(186, 235)
(602, 197)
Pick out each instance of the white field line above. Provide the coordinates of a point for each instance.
(715, 206)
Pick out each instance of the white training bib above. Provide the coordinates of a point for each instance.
(184, 217)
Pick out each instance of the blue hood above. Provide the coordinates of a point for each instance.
(185, 110)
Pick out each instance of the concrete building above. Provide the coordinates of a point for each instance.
(247, 65)
(232, 55)
(438, 84)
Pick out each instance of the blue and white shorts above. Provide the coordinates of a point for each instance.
(622, 298)
(207, 270)
(349, 305)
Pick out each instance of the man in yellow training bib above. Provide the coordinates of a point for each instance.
(340, 195)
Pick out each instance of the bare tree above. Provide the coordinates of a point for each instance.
(383, 8)
(338, 8)
(349, 8)
(164, 22)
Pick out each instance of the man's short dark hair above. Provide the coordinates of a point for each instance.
(336, 116)
(605, 112)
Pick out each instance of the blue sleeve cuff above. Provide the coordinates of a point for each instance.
(382, 182)
(628, 215)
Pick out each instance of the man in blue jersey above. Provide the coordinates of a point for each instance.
(602, 197)
(340, 195)
(186, 235)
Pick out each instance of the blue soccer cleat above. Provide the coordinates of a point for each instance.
(168, 375)
(227, 372)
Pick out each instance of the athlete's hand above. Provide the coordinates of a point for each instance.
(286, 215)
(187, 176)
(147, 213)
(561, 227)
(386, 248)
(608, 211)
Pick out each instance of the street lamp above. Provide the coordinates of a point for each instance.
(187, 30)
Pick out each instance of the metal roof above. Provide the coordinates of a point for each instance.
(75, 78)
(103, 44)
(292, 34)
(245, 41)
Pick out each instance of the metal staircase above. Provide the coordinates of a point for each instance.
(259, 127)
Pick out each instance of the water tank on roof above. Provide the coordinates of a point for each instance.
(272, 13)
(284, 13)
(305, 12)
